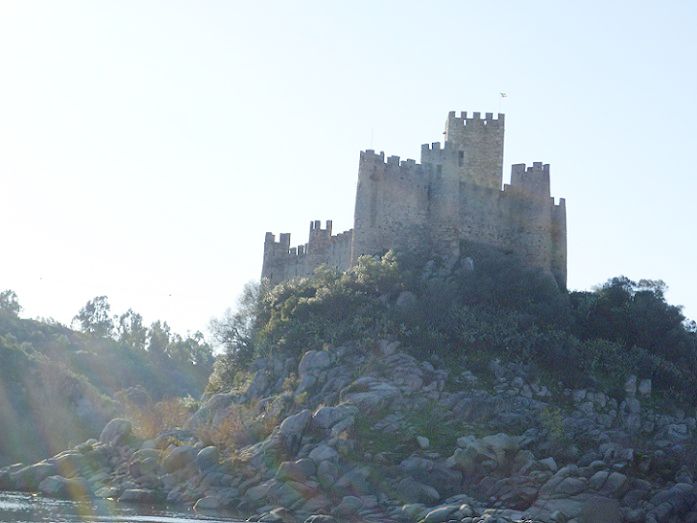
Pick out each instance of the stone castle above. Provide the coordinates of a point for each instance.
(453, 196)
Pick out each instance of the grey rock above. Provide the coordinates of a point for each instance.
(549, 463)
(69, 463)
(423, 442)
(116, 432)
(441, 514)
(260, 382)
(571, 486)
(178, 458)
(612, 484)
(293, 426)
(314, 361)
(318, 503)
(327, 417)
(28, 478)
(327, 473)
(645, 387)
(283, 515)
(349, 505)
(601, 510)
(138, 495)
(677, 432)
(143, 454)
(320, 518)
(208, 503)
(410, 490)
(60, 487)
(355, 482)
(108, 492)
(413, 511)
(323, 453)
(291, 470)
(257, 494)
(207, 458)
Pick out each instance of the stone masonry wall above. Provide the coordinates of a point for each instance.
(281, 262)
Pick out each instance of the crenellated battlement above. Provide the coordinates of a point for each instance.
(453, 195)
(534, 180)
(370, 155)
(392, 167)
(475, 121)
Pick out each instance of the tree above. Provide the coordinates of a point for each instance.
(236, 330)
(9, 304)
(95, 317)
(131, 331)
(192, 350)
(159, 338)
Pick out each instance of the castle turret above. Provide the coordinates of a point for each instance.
(478, 143)
(444, 201)
(391, 205)
(533, 181)
(319, 239)
(275, 255)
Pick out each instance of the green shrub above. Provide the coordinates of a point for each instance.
(500, 309)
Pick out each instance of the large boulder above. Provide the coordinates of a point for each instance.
(441, 514)
(369, 394)
(326, 417)
(28, 478)
(179, 458)
(258, 494)
(292, 428)
(116, 432)
(295, 425)
(69, 464)
(213, 411)
(323, 452)
(60, 487)
(411, 491)
(207, 458)
(485, 454)
(300, 470)
(313, 362)
(208, 503)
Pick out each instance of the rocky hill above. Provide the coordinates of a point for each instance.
(423, 393)
(59, 386)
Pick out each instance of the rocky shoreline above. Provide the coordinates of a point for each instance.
(380, 436)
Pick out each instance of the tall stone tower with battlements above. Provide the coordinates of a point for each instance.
(454, 194)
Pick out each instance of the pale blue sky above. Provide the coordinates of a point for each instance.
(146, 146)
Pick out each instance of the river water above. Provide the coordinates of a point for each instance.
(19, 507)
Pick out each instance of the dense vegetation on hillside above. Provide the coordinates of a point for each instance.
(58, 385)
(488, 306)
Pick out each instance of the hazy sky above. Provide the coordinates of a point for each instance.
(146, 146)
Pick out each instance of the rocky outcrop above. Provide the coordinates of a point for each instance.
(382, 436)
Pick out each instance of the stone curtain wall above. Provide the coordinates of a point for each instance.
(281, 262)
(454, 194)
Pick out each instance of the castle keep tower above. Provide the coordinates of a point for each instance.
(453, 195)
